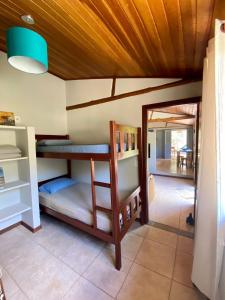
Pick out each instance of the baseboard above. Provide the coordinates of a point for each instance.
(171, 229)
(34, 230)
(173, 176)
(10, 227)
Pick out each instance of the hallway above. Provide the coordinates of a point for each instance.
(169, 167)
(173, 201)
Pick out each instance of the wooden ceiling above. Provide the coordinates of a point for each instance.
(185, 109)
(119, 38)
(179, 114)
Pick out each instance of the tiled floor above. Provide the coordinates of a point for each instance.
(173, 201)
(169, 167)
(59, 262)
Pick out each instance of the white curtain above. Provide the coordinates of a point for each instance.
(210, 217)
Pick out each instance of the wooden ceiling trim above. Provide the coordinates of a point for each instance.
(129, 94)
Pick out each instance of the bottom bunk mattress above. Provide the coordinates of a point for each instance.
(76, 202)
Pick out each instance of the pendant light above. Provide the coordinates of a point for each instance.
(27, 50)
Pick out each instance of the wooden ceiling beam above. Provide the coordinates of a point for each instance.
(113, 87)
(171, 119)
(131, 94)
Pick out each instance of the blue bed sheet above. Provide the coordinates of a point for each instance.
(99, 148)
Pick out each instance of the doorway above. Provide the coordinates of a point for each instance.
(170, 160)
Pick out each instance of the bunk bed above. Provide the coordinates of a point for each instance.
(112, 218)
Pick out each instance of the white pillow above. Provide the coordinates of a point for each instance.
(8, 149)
(54, 142)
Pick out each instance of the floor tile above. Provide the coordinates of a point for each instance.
(157, 257)
(23, 261)
(51, 280)
(108, 256)
(142, 283)
(130, 245)
(10, 287)
(171, 204)
(81, 254)
(105, 276)
(185, 245)
(19, 295)
(85, 290)
(138, 229)
(183, 268)
(57, 243)
(38, 273)
(10, 240)
(162, 236)
(181, 292)
(27, 233)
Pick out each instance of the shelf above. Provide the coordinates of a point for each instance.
(12, 211)
(13, 159)
(13, 185)
(12, 127)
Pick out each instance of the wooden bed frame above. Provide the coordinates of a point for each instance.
(119, 135)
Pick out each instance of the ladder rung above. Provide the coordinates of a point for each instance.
(106, 210)
(103, 184)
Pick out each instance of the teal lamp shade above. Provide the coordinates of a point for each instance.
(27, 50)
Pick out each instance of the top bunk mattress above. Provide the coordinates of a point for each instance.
(99, 148)
(91, 148)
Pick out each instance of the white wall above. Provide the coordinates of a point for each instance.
(152, 159)
(39, 100)
(90, 124)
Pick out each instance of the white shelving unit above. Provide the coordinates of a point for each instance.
(14, 185)
(13, 159)
(19, 196)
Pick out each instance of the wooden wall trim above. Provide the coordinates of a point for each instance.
(113, 87)
(131, 94)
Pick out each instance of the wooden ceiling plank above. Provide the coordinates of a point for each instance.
(154, 46)
(115, 53)
(110, 18)
(188, 17)
(204, 22)
(142, 38)
(162, 26)
(176, 33)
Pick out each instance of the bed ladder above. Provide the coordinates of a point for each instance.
(95, 183)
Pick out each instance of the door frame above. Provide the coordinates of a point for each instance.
(145, 109)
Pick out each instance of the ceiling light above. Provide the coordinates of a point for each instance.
(28, 19)
(27, 50)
